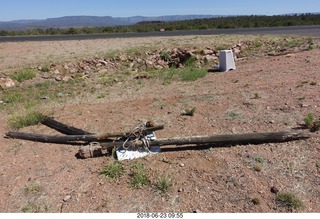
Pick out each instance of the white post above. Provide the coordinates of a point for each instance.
(226, 61)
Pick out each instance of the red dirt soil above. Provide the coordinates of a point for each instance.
(262, 95)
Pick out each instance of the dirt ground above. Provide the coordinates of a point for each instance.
(264, 94)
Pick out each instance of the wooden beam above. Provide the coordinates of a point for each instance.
(63, 128)
(102, 148)
(60, 139)
(222, 140)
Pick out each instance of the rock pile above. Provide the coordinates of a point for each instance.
(154, 60)
(177, 58)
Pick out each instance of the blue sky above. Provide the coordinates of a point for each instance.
(41, 9)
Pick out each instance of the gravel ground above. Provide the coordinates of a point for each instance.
(269, 93)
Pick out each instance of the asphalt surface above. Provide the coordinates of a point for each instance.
(313, 31)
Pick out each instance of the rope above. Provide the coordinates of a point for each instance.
(135, 135)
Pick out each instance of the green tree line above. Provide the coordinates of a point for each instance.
(198, 24)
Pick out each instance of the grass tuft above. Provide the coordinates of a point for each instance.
(163, 184)
(189, 112)
(114, 170)
(29, 119)
(259, 159)
(139, 176)
(289, 200)
(192, 74)
(23, 75)
(256, 201)
(33, 207)
(310, 123)
(32, 188)
(233, 115)
(308, 120)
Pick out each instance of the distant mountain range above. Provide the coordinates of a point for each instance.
(91, 21)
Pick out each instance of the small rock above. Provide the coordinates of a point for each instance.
(103, 71)
(271, 121)
(66, 67)
(56, 71)
(180, 190)
(207, 52)
(274, 190)
(45, 76)
(181, 164)
(236, 51)
(197, 211)
(210, 58)
(66, 198)
(7, 82)
(149, 63)
(58, 78)
(165, 160)
(73, 70)
(122, 58)
(162, 63)
(1, 102)
(103, 62)
(66, 78)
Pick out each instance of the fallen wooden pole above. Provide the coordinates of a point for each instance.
(60, 139)
(221, 140)
(102, 148)
(63, 128)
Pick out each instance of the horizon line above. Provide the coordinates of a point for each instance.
(222, 15)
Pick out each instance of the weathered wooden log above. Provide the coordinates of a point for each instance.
(104, 148)
(221, 140)
(60, 139)
(63, 128)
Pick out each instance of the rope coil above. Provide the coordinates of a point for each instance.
(136, 135)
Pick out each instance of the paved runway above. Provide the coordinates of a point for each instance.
(293, 30)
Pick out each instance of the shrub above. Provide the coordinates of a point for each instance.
(308, 120)
(310, 123)
(165, 55)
